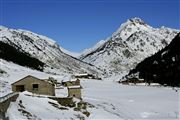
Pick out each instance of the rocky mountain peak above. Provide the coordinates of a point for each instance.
(130, 44)
(137, 20)
(131, 26)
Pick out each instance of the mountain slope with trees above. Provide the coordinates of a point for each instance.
(163, 67)
(43, 50)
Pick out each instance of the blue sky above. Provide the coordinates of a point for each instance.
(79, 24)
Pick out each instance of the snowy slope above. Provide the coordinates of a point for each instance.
(130, 44)
(46, 50)
(40, 108)
(13, 72)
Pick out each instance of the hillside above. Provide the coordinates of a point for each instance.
(9, 53)
(162, 67)
(44, 51)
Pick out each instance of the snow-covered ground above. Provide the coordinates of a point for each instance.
(115, 101)
(31, 107)
(110, 99)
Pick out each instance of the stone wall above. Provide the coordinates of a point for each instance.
(67, 101)
(4, 105)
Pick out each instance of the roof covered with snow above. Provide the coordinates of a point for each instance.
(74, 87)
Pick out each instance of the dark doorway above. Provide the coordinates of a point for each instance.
(20, 88)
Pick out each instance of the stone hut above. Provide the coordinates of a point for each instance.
(72, 82)
(34, 85)
(74, 91)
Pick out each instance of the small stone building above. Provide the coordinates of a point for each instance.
(74, 91)
(72, 82)
(34, 85)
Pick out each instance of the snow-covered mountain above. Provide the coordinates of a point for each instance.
(112, 105)
(45, 50)
(130, 44)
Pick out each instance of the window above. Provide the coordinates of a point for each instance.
(35, 87)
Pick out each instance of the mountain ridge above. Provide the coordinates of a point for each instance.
(45, 50)
(130, 44)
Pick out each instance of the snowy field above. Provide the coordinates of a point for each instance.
(114, 101)
(111, 101)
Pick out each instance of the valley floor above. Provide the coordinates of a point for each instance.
(114, 101)
(110, 100)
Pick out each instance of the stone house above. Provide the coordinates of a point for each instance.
(34, 85)
(74, 91)
(72, 82)
(74, 88)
